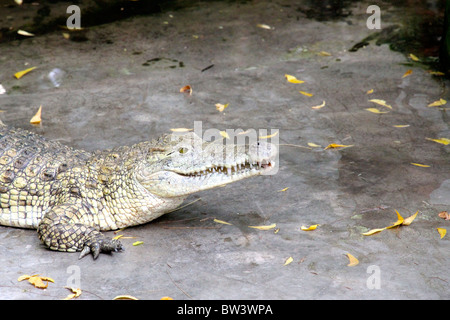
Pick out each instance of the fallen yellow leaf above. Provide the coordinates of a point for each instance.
(401, 126)
(442, 232)
(410, 219)
(353, 261)
(224, 134)
(75, 293)
(25, 33)
(324, 54)
(221, 107)
(444, 141)
(269, 136)
(264, 26)
(306, 93)
(398, 222)
(125, 297)
(166, 298)
(36, 280)
(437, 103)
(372, 231)
(407, 73)
(335, 146)
(292, 79)
(319, 106)
(37, 117)
(20, 74)
(375, 110)
(222, 222)
(444, 215)
(137, 243)
(413, 57)
(118, 237)
(273, 225)
(180, 130)
(436, 73)
(369, 91)
(288, 260)
(420, 165)
(311, 144)
(282, 190)
(381, 103)
(310, 228)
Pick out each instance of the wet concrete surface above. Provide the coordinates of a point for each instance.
(122, 86)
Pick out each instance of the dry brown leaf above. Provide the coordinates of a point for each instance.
(444, 215)
(187, 89)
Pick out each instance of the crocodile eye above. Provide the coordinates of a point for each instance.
(183, 150)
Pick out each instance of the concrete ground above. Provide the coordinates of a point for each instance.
(121, 85)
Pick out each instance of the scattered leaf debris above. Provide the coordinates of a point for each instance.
(138, 243)
(375, 110)
(320, 106)
(420, 165)
(36, 119)
(221, 107)
(381, 103)
(443, 141)
(336, 146)
(125, 297)
(352, 260)
(293, 79)
(222, 222)
(36, 280)
(288, 261)
(407, 73)
(268, 227)
(75, 293)
(400, 221)
(187, 89)
(438, 103)
(444, 215)
(442, 232)
(310, 228)
(20, 74)
(306, 93)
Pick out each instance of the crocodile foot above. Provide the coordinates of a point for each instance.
(100, 245)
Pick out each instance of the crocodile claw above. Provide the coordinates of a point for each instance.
(96, 247)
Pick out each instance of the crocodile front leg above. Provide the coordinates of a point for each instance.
(60, 229)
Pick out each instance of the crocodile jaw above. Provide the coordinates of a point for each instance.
(214, 166)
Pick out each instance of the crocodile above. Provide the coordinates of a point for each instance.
(70, 196)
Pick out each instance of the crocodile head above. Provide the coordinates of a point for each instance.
(179, 165)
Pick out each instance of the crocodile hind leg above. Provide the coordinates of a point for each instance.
(62, 229)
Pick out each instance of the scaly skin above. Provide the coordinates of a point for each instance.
(70, 195)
